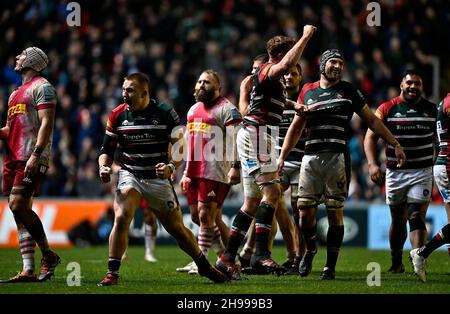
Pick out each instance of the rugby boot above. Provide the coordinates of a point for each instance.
(49, 262)
(213, 274)
(328, 274)
(21, 277)
(264, 264)
(109, 280)
(305, 266)
(231, 270)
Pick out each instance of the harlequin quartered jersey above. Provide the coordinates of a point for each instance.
(207, 133)
(23, 121)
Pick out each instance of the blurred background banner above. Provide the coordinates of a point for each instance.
(58, 218)
(71, 222)
(379, 219)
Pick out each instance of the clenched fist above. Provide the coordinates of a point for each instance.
(105, 173)
(309, 30)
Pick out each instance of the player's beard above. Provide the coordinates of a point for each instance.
(411, 98)
(203, 95)
(129, 102)
(333, 75)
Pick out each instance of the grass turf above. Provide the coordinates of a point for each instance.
(141, 277)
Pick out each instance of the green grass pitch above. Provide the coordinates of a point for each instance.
(141, 277)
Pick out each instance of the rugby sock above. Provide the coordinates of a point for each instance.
(309, 234)
(125, 254)
(297, 260)
(446, 233)
(113, 265)
(205, 237)
(217, 243)
(201, 261)
(396, 257)
(27, 245)
(442, 237)
(34, 226)
(240, 227)
(150, 239)
(263, 225)
(247, 251)
(290, 255)
(335, 235)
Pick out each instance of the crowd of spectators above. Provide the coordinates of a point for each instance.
(174, 40)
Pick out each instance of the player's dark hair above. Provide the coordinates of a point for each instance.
(263, 58)
(141, 78)
(412, 72)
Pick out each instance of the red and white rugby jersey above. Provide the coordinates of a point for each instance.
(23, 121)
(210, 151)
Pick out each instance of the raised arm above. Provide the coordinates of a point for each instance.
(292, 57)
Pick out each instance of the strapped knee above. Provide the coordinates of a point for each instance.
(332, 203)
(25, 191)
(413, 208)
(306, 203)
(415, 218)
(294, 193)
(416, 223)
(261, 185)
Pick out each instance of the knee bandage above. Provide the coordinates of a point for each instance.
(306, 203)
(331, 203)
(261, 185)
(416, 223)
(415, 219)
(294, 193)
